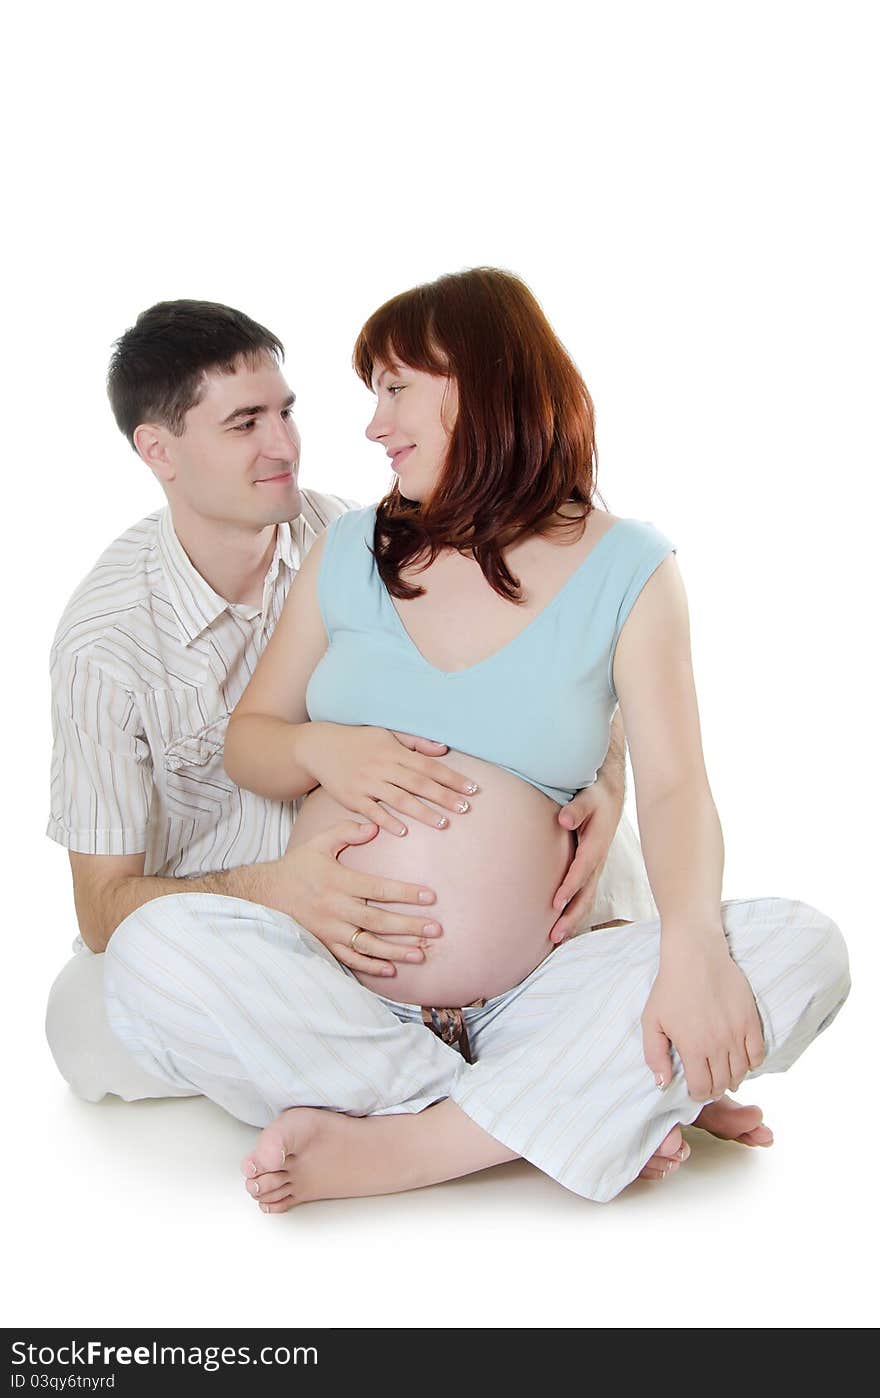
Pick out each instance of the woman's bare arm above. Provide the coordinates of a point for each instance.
(678, 823)
(263, 747)
(700, 1002)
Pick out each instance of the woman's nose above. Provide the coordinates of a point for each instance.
(376, 427)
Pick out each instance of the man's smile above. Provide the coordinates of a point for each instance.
(279, 478)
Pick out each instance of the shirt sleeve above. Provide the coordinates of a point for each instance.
(648, 551)
(102, 771)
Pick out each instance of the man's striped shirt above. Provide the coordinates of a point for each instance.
(147, 664)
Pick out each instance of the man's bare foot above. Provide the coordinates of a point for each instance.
(732, 1122)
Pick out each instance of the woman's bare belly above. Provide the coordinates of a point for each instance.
(494, 871)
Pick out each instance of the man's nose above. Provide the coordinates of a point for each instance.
(284, 439)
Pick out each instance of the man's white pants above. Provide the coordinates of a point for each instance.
(237, 1001)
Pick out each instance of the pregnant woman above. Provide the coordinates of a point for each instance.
(488, 604)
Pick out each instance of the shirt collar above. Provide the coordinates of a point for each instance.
(287, 551)
(195, 603)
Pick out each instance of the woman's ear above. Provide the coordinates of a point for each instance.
(449, 405)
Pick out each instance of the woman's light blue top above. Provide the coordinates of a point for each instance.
(541, 706)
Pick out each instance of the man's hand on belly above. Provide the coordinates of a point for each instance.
(332, 902)
(593, 815)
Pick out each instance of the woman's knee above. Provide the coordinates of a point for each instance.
(194, 946)
(796, 960)
(835, 954)
(815, 941)
(168, 918)
(832, 968)
(159, 937)
(778, 932)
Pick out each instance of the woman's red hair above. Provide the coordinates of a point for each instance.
(523, 442)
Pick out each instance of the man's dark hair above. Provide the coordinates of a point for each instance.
(157, 372)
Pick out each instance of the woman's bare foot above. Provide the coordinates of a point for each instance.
(671, 1152)
(304, 1154)
(731, 1122)
(309, 1154)
(723, 1118)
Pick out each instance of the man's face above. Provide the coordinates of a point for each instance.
(238, 457)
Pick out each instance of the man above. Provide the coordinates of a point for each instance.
(152, 654)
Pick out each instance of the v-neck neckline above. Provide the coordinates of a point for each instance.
(478, 664)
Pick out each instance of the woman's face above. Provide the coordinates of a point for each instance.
(414, 417)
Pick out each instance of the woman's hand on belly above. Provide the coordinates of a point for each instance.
(363, 767)
(494, 874)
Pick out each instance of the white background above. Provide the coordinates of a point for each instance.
(688, 189)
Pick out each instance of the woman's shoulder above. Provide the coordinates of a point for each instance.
(345, 558)
(601, 522)
(353, 520)
(616, 539)
(350, 527)
(630, 532)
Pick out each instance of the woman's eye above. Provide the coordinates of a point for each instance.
(396, 388)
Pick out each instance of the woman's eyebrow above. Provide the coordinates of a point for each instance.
(392, 369)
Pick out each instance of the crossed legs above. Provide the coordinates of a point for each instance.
(241, 1004)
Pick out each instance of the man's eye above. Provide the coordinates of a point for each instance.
(287, 414)
(245, 426)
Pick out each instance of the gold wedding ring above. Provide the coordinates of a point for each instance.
(354, 937)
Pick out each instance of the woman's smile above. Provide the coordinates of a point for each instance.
(399, 454)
